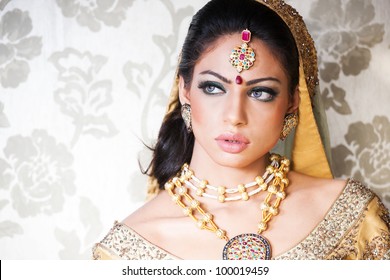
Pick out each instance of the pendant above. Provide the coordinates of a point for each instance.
(247, 246)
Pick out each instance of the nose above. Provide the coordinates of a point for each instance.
(235, 112)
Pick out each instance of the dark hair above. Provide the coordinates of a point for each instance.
(217, 18)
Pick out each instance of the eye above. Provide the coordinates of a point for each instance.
(211, 88)
(262, 94)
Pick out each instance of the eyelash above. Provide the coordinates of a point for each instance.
(204, 85)
(209, 84)
(272, 93)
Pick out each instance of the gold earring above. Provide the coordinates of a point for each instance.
(186, 115)
(290, 122)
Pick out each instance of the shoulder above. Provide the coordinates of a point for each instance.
(152, 219)
(331, 189)
(317, 191)
(367, 235)
(360, 217)
(122, 242)
(354, 224)
(137, 235)
(157, 209)
(318, 197)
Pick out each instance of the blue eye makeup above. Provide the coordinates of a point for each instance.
(211, 88)
(264, 94)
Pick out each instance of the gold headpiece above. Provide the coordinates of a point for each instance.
(243, 56)
(310, 150)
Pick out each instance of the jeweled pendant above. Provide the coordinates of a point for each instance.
(247, 246)
(242, 57)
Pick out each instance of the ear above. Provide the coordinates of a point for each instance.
(294, 102)
(184, 93)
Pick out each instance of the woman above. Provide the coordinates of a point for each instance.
(247, 70)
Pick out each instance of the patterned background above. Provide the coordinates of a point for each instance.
(85, 82)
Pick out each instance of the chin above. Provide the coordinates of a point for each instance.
(240, 162)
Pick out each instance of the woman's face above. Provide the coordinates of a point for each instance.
(234, 124)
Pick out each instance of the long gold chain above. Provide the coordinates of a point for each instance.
(274, 181)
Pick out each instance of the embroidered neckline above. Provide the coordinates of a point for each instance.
(305, 248)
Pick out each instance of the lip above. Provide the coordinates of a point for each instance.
(233, 143)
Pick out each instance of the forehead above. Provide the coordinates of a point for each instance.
(216, 58)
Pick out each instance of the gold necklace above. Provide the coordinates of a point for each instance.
(202, 187)
(249, 246)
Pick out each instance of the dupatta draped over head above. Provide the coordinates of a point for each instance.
(308, 147)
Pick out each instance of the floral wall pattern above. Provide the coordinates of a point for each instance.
(83, 84)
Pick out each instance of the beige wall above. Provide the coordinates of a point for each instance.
(82, 85)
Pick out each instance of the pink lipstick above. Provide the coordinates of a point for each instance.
(232, 143)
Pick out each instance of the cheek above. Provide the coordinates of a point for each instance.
(273, 122)
(197, 114)
(269, 122)
(202, 111)
(278, 117)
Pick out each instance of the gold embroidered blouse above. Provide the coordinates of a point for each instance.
(357, 226)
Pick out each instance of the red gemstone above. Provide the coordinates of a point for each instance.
(242, 56)
(238, 80)
(246, 35)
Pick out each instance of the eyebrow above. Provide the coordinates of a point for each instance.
(248, 83)
(222, 78)
(255, 81)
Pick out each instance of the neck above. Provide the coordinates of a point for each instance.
(227, 171)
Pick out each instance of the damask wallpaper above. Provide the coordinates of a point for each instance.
(84, 84)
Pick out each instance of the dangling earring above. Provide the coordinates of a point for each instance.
(186, 115)
(290, 122)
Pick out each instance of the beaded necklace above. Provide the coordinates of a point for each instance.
(249, 246)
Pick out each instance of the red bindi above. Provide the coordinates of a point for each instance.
(238, 80)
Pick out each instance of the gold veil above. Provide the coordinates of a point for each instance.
(308, 147)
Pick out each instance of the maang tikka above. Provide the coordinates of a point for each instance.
(242, 57)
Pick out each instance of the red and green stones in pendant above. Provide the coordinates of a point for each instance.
(247, 246)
